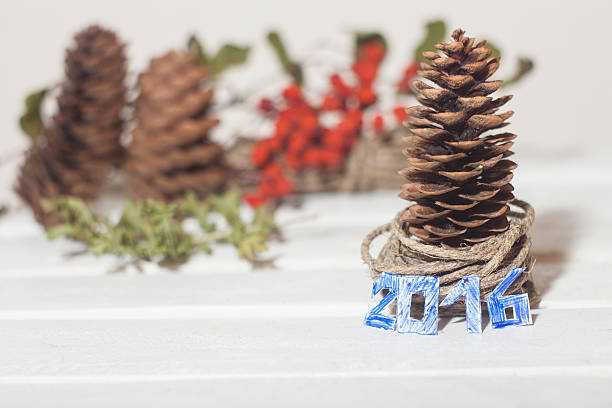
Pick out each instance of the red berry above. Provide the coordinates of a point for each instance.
(378, 123)
(308, 123)
(298, 142)
(284, 187)
(349, 141)
(292, 92)
(339, 86)
(313, 157)
(332, 159)
(366, 71)
(261, 152)
(351, 122)
(293, 161)
(265, 105)
(267, 189)
(276, 143)
(282, 127)
(274, 183)
(331, 103)
(372, 51)
(255, 199)
(333, 139)
(272, 171)
(400, 114)
(365, 95)
(405, 84)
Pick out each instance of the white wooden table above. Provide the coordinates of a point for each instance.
(216, 333)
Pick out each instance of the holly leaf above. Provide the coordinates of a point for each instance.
(195, 46)
(435, 33)
(524, 66)
(291, 67)
(31, 120)
(229, 55)
(362, 38)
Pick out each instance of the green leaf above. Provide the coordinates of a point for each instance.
(153, 231)
(494, 50)
(291, 67)
(435, 33)
(195, 46)
(60, 231)
(229, 55)
(362, 38)
(31, 119)
(524, 66)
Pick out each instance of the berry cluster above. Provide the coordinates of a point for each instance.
(403, 86)
(300, 140)
(365, 69)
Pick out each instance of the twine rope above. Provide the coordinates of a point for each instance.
(491, 260)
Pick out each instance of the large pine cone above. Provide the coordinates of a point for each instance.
(171, 153)
(459, 178)
(81, 142)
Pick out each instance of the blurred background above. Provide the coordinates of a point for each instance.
(560, 107)
(73, 334)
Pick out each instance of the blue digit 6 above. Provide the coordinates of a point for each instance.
(497, 303)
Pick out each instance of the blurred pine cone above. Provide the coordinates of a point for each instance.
(81, 142)
(459, 178)
(170, 152)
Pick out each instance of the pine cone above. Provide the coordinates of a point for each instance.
(81, 143)
(459, 178)
(170, 152)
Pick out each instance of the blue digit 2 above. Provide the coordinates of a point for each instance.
(376, 318)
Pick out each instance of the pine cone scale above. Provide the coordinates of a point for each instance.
(171, 153)
(458, 176)
(81, 142)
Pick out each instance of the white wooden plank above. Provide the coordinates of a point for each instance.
(560, 283)
(30, 350)
(508, 391)
(567, 228)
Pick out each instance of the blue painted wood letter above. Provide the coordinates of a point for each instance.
(402, 288)
(410, 285)
(376, 318)
(497, 303)
(470, 288)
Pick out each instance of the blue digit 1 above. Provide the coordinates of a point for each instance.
(375, 318)
(408, 286)
(497, 303)
(470, 288)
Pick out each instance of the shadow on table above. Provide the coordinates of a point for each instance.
(553, 234)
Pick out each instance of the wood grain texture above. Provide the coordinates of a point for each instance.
(75, 335)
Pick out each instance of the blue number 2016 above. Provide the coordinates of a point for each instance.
(402, 287)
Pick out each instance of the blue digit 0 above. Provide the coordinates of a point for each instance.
(410, 285)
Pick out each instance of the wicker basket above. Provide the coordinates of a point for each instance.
(374, 164)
